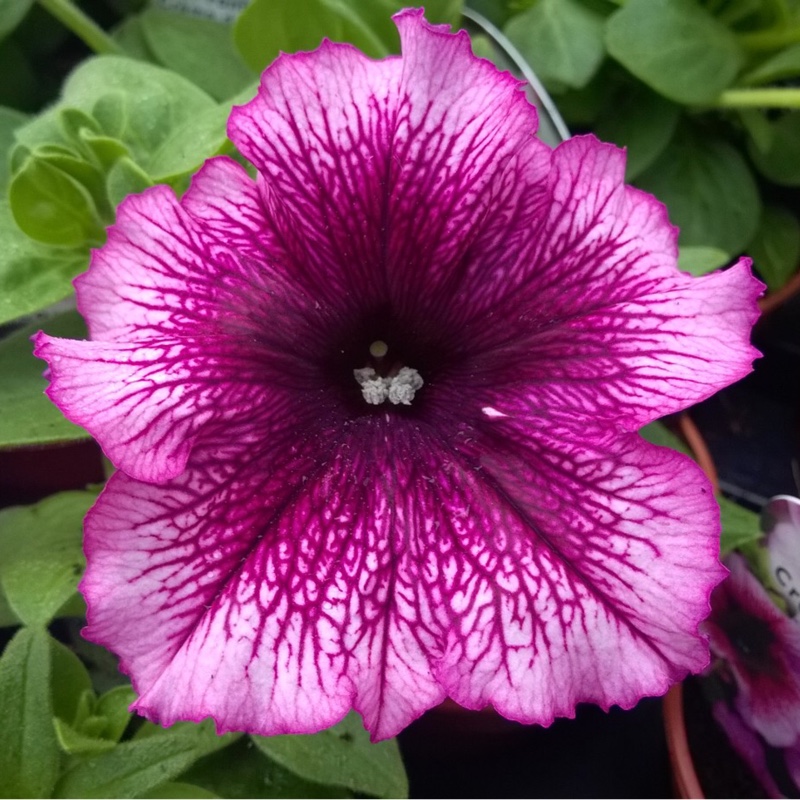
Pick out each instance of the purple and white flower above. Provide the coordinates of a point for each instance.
(760, 647)
(777, 770)
(375, 413)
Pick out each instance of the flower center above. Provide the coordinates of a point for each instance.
(380, 381)
(753, 639)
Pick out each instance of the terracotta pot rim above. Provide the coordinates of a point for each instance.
(687, 784)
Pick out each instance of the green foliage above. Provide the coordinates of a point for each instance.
(32, 277)
(135, 767)
(139, 104)
(40, 554)
(778, 158)
(12, 13)
(28, 416)
(701, 260)
(776, 246)
(51, 206)
(740, 527)
(784, 64)
(97, 723)
(177, 790)
(269, 27)
(709, 191)
(658, 433)
(561, 39)
(29, 756)
(200, 50)
(72, 681)
(10, 120)
(643, 122)
(341, 756)
(676, 47)
(243, 771)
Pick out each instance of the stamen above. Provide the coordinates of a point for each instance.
(398, 389)
(404, 385)
(373, 388)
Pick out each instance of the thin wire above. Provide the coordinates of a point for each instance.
(501, 40)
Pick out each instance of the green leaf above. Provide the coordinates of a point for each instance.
(758, 127)
(41, 555)
(136, 102)
(52, 207)
(581, 108)
(113, 707)
(736, 12)
(242, 771)
(785, 64)
(658, 433)
(28, 415)
(199, 49)
(341, 756)
(125, 178)
(174, 790)
(86, 172)
(701, 260)
(135, 767)
(740, 527)
(97, 724)
(779, 160)
(709, 191)
(190, 144)
(776, 246)
(10, 120)
(641, 121)
(676, 47)
(12, 13)
(561, 39)
(8, 619)
(29, 756)
(267, 27)
(76, 743)
(33, 276)
(130, 35)
(70, 681)
(145, 108)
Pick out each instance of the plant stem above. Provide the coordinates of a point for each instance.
(82, 26)
(759, 98)
(771, 38)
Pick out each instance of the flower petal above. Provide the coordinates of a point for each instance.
(596, 542)
(389, 570)
(178, 346)
(392, 175)
(748, 744)
(605, 328)
(182, 267)
(265, 598)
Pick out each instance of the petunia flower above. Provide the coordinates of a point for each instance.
(375, 413)
(760, 646)
(777, 770)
